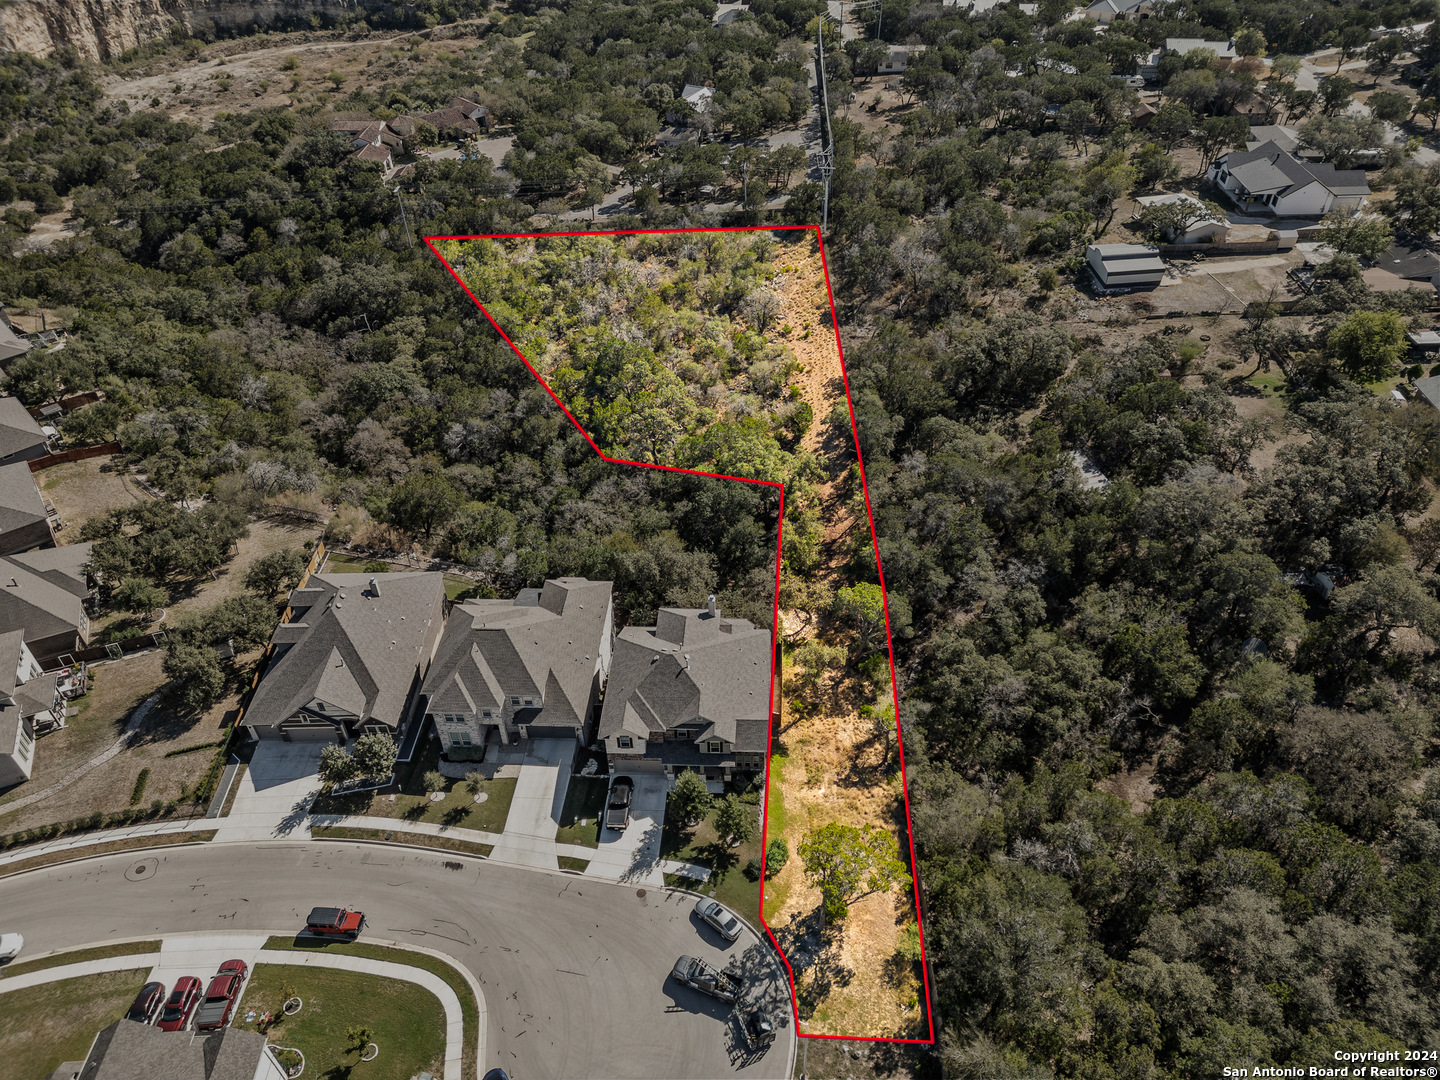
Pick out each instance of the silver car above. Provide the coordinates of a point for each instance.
(725, 922)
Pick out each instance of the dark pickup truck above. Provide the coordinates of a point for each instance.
(698, 975)
(335, 922)
(617, 810)
(220, 998)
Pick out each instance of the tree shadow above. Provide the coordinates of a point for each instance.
(456, 815)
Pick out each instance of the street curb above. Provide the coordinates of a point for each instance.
(107, 854)
(390, 843)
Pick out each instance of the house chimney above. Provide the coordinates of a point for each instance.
(374, 587)
(714, 611)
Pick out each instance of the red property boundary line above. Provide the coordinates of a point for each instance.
(775, 629)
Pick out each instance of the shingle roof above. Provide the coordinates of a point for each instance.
(18, 429)
(1269, 168)
(65, 566)
(10, 643)
(34, 604)
(543, 643)
(690, 666)
(350, 648)
(20, 501)
(129, 1051)
(373, 153)
(11, 344)
(1429, 389)
(1410, 262)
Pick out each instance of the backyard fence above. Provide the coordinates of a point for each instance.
(78, 454)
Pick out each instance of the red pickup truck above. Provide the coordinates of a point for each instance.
(221, 997)
(335, 922)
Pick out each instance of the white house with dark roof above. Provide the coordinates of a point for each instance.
(350, 660)
(690, 692)
(508, 670)
(1269, 180)
(30, 704)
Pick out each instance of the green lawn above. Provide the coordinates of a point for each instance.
(56, 1022)
(433, 964)
(584, 806)
(728, 882)
(78, 956)
(407, 1021)
(396, 836)
(457, 809)
(568, 863)
(1267, 384)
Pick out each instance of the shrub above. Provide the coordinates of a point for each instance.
(777, 854)
(140, 782)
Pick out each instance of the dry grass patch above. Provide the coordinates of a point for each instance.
(56, 1022)
(81, 490)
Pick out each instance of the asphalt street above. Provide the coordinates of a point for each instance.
(575, 972)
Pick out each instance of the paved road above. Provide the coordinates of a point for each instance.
(575, 973)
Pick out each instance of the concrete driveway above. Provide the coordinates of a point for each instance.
(575, 972)
(529, 837)
(275, 793)
(634, 855)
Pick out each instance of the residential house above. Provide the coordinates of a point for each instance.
(697, 97)
(1107, 11)
(44, 593)
(982, 7)
(24, 517)
(1429, 389)
(350, 660)
(898, 59)
(21, 438)
(690, 692)
(12, 345)
(127, 1050)
(1125, 266)
(461, 115)
(373, 140)
(1223, 50)
(528, 667)
(1206, 230)
(1285, 136)
(1268, 180)
(30, 704)
(1416, 264)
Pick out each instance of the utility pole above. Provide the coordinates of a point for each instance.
(826, 159)
(409, 240)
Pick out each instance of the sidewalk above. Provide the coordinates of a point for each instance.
(272, 800)
(84, 840)
(192, 954)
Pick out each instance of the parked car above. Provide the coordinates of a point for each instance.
(220, 998)
(725, 923)
(698, 975)
(10, 946)
(335, 922)
(180, 1004)
(147, 1004)
(617, 811)
(759, 1029)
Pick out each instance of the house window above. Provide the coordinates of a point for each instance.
(485, 713)
(529, 701)
(715, 746)
(624, 742)
(514, 701)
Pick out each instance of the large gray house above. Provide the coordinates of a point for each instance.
(350, 660)
(690, 692)
(530, 667)
(43, 592)
(24, 518)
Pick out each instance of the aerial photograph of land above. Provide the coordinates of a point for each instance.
(781, 539)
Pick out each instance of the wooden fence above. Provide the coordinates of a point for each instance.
(78, 454)
(70, 403)
(1246, 247)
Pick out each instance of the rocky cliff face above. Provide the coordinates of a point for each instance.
(99, 29)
